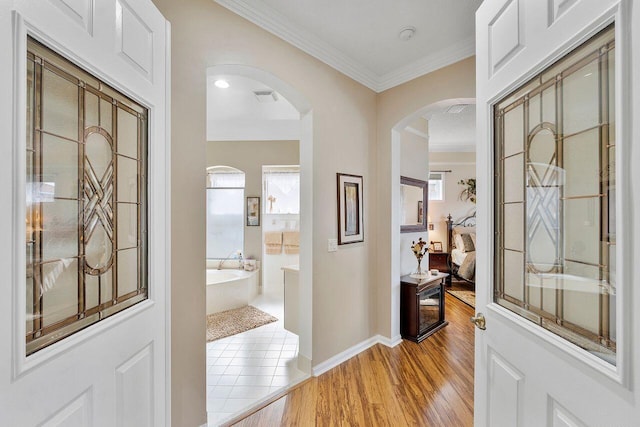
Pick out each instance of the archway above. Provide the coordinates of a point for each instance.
(306, 194)
(396, 130)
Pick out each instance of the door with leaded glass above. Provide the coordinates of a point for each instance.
(84, 213)
(556, 225)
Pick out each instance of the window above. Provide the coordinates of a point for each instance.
(555, 198)
(436, 186)
(86, 201)
(281, 189)
(225, 212)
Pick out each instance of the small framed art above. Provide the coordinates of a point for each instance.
(253, 211)
(350, 209)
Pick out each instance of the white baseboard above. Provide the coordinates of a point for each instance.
(354, 351)
(304, 364)
(390, 342)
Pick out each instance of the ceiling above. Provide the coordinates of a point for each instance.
(360, 37)
(453, 131)
(236, 114)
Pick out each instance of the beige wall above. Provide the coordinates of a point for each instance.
(249, 156)
(344, 114)
(454, 81)
(462, 166)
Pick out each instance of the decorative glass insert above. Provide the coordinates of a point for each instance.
(86, 210)
(555, 198)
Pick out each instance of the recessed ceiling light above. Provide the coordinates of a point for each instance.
(222, 84)
(406, 33)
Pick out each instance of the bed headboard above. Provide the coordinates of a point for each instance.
(468, 221)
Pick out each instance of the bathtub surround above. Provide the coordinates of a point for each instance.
(230, 288)
(235, 321)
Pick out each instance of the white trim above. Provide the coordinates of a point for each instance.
(270, 20)
(336, 360)
(450, 55)
(352, 351)
(389, 342)
(18, 226)
(167, 256)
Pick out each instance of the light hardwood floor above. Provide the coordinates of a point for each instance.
(426, 384)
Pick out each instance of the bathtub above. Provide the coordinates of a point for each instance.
(228, 289)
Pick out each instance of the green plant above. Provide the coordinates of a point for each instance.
(469, 192)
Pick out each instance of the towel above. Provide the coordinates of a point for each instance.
(273, 242)
(291, 240)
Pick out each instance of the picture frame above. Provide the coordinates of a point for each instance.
(437, 246)
(420, 211)
(253, 211)
(350, 209)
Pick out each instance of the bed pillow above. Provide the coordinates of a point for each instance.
(457, 232)
(467, 244)
(458, 229)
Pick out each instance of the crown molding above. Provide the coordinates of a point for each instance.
(272, 21)
(447, 56)
(275, 23)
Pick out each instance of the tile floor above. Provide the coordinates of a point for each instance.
(245, 369)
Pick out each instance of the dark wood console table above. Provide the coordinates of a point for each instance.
(421, 306)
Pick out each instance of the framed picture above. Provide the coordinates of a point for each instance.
(350, 206)
(253, 211)
(437, 246)
(420, 212)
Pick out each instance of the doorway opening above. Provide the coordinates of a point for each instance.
(436, 144)
(257, 349)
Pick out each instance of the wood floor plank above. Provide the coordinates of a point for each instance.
(426, 384)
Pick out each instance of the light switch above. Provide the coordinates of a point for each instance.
(333, 245)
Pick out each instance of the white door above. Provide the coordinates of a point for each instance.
(556, 271)
(115, 371)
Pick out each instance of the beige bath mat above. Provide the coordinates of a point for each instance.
(231, 322)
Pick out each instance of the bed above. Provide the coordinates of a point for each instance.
(461, 239)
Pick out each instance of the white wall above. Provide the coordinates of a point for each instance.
(462, 166)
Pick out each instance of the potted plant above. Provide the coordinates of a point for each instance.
(469, 192)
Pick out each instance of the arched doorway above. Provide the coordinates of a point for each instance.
(303, 132)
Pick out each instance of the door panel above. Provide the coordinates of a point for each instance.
(527, 375)
(113, 372)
